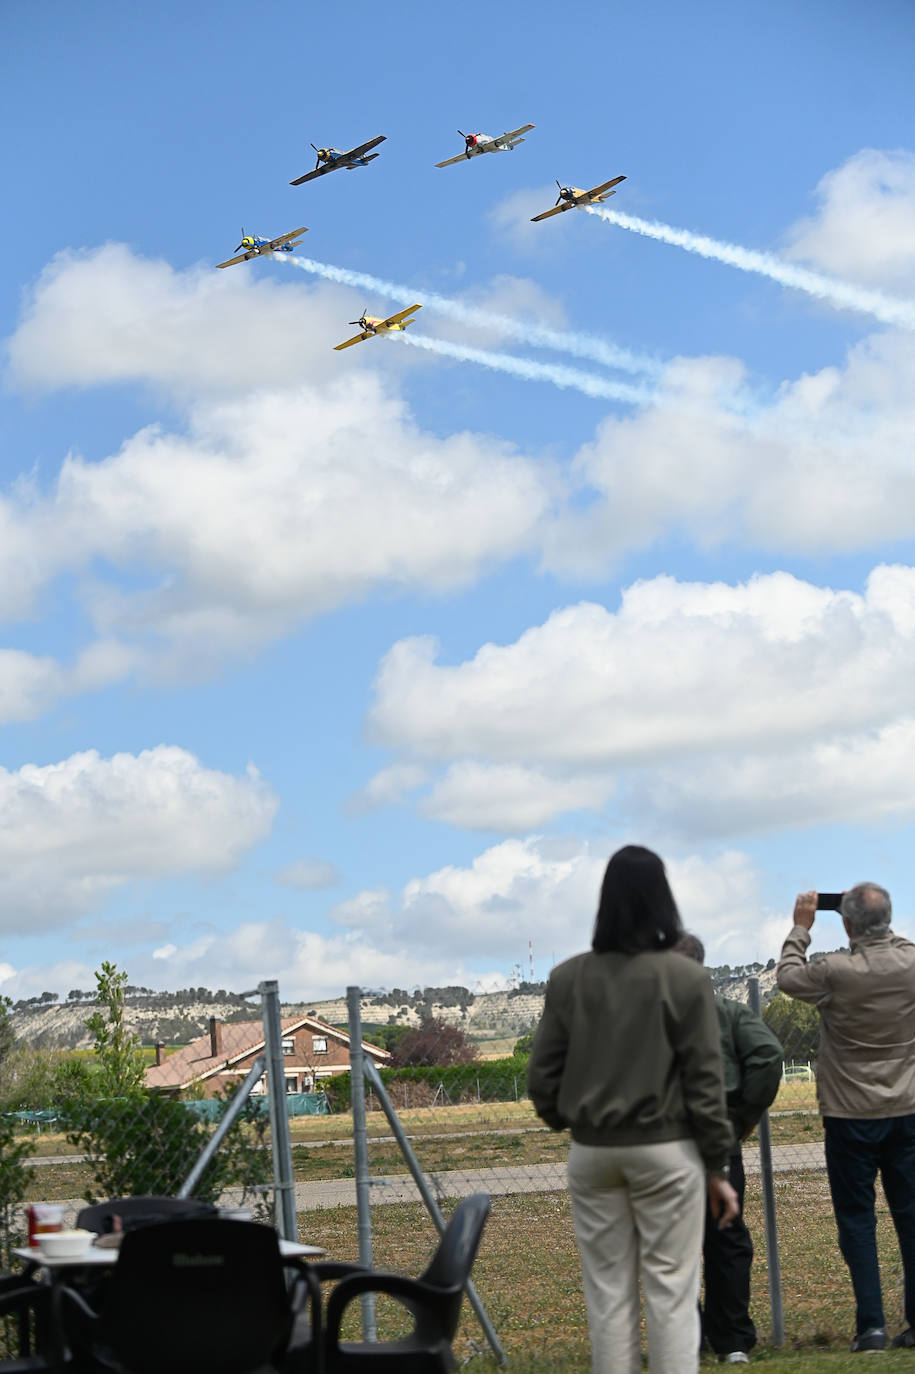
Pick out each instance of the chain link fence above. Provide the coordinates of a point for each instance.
(471, 1126)
(466, 1118)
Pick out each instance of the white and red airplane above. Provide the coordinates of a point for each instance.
(475, 144)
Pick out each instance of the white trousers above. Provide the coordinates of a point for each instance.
(640, 1209)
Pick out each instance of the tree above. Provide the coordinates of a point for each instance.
(7, 1038)
(14, 1176)
(433, 1041)
(797, 1025)
(522, 1046)
(138, 1142)
(117, 1049)
(387, 1037)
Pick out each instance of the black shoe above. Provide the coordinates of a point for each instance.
(874, 1338)
(905, 1340)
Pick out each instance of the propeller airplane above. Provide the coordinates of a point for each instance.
(474, 144)
(330, 159)
(574, 198)
(255, 246)
(370, 326)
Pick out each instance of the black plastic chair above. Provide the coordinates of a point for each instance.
(138, 1211)
(26, 1326)
(433, 1300)
(194, 1295)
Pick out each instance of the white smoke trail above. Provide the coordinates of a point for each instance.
(537, 335)
(887, 309)
(528, 371)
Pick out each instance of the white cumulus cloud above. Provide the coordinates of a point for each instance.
(711, 707)
(864, 225)
(74, 831)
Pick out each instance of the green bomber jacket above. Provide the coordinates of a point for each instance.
(752, 1063)
(628, 1051)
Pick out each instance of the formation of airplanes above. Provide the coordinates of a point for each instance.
(333, 160)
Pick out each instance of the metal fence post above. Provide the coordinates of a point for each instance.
(432, 1207)
(233, 1110)
(280, 1139)
(768, 1200)
(361, 1152)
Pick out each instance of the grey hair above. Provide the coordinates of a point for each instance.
(867, 909)
(691, 946)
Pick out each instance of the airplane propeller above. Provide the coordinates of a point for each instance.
(564, 193)
(362, 322)
(242, 244)
(323, 154)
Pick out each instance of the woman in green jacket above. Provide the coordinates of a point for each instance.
(627, 1056)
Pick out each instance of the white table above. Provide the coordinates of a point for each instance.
(97, 1256)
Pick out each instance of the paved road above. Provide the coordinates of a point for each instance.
(533, 1178)
(499, 1182)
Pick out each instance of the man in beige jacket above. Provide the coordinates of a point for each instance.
(865, 1086)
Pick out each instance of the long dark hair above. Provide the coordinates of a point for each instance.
(637, 910)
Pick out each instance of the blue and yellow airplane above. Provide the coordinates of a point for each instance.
(332, 159)
(371, 325)
(256, 247)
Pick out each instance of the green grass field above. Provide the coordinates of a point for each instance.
(528, 1273)
(528, 1277)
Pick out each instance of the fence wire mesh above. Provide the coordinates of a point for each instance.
(472, 1127)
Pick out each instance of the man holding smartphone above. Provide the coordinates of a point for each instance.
(865, 1085)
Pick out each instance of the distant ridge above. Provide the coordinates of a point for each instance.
(175, 1018)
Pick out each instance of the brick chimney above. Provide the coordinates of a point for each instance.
(215, 1037)
(160, 1057)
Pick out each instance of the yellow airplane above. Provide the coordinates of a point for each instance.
(370, 325)
(574, 198)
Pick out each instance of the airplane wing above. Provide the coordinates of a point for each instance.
(515, 133)
(597, 190)
(402, 314)
(363, 148)
(318, 172)
(349, 342)
(242, 257)
(556, 210)
(286, 238)
(450, 161)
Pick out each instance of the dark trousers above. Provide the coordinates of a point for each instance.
(855, 1150)
(727, 1256)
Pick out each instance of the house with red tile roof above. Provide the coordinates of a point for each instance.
(313, 1052)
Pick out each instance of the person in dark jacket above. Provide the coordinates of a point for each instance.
(752, 1058)
(627, 1056)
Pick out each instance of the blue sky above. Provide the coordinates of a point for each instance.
(356, 667)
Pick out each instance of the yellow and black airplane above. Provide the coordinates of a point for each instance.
(574, 198)
(370, 326)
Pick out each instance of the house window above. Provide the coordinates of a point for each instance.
(319, 1044)
(292, 1084)
(289, 1046)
